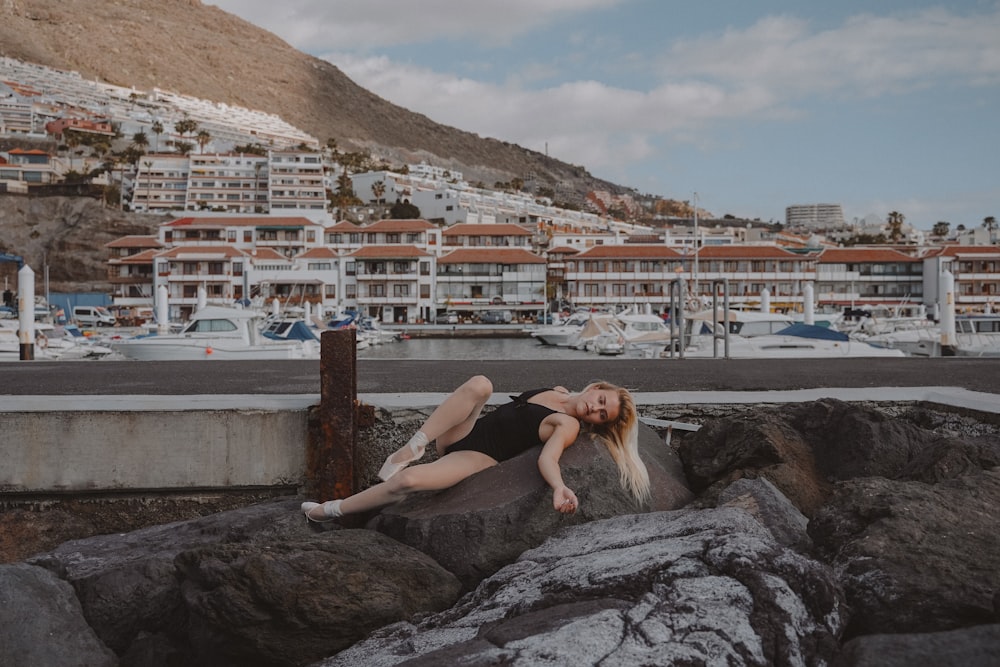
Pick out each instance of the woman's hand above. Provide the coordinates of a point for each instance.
(564, 500)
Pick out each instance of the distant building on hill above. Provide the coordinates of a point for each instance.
(814, 216)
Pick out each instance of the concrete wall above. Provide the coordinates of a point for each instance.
(114, 443)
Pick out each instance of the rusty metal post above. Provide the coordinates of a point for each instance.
(330, 464)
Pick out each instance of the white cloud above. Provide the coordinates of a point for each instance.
(368, 25)
(868, 55)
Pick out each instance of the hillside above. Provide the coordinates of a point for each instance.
(199, 50)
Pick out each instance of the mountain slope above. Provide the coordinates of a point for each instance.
(194, 49)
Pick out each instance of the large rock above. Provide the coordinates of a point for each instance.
(969, 647)
(759, 444)
(851, 441)
(127, 583)
(803, 449)
(684, 587)
(41, 622)
(295, 602)
(914, 557)
(486, 521)
(254, 586)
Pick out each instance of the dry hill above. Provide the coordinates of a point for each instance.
(194, 49)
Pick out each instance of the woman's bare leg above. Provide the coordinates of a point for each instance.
(452, 420)
(443, 473)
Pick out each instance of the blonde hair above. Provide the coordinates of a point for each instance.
(621, 437)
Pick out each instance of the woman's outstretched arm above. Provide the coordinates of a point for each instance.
(563, 435)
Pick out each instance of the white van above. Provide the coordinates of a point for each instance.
(93, 316)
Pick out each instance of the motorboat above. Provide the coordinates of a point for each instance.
(643, 334)
(564, 334)
(67, 342)
(215, 333)
(976, 335)
(795, 341)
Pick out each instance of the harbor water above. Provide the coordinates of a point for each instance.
(451, 349)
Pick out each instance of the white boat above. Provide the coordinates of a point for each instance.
(975, 336)
(608, 343)
(643, 334)
(67, 343)
(795, 341)
(215, 333)
(562, 335)
(10, 344)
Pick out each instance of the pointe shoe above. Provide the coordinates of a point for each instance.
(416, 450)
(331, 511)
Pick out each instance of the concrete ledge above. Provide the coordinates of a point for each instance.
(82, 444)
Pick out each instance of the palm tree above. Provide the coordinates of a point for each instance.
(990, 225)
(896, 220)
(941, 229)
(203, 137)
(186, 126)
(378, 189)
(139, 140)
(157, 128)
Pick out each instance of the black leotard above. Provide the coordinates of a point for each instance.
(508, 430)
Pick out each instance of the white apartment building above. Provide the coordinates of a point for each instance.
(473, 279)
(296, 180)
(815, 216)
(232, 182)
(749, 270)
(868, 276)
(394, 283)
(160, 183)
(630, 274)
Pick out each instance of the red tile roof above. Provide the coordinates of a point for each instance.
(144, 257)
(490, 256)
(224, 250)
(345, 226)
(267, 254)
(389, 252)
(959, 250)
(135, 242)
(242, 221)
(563, 250)
(318, 253)
(477, 229)
(749, 252)
(635, 251)
(863, 256)
(398, 226)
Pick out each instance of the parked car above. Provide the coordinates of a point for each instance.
(496, 317)
(450, 317)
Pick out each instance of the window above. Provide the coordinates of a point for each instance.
(401, 290)
(400, 267)
(318, 266)
(349, 268)
(392, 238)
(377, 290)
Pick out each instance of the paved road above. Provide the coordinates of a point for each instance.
(50, 378)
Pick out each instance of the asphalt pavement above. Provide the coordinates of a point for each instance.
(377, 376)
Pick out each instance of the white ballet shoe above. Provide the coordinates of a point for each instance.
(330, 511)
(389, 468)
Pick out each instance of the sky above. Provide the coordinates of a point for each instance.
(745, 106)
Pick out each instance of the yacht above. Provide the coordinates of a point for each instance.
(215, 333)
(565, 334)
(642, 334)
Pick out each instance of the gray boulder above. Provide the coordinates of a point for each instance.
(485, 522)
(127, 583)
(770, 506)
(969, 647)
(683, 587)
(41, 622)
(803, 450)
(914, 557)
(291, 603)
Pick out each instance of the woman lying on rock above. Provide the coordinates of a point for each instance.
(468, 443)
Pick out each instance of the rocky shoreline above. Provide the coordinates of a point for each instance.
(807, 534)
